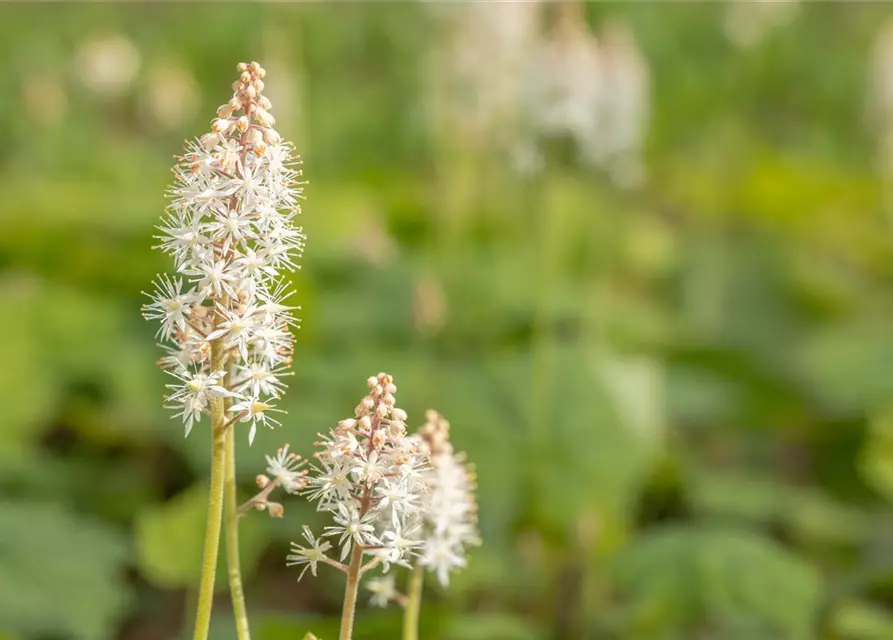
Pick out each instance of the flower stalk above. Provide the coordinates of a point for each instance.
(224, 317)
(234, 571)
(350, 594)
(413, 604)
(215, 510)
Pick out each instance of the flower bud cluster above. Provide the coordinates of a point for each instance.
(371, 477)
(230, 230)
(450, 508)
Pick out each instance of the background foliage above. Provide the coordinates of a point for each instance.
(678, 397)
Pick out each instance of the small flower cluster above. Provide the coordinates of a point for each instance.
(371, 477)
(285, 470)
(450, 507)
(230, 230)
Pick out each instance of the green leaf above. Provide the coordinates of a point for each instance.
(170, 540)
(806, 512)
(877, 458)
(723, 579)
(484, 626)
(60, 574)
(26, 390)
(857, 620)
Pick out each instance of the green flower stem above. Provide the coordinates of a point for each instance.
(413, 604)
(232, 540)
(215, 506)
(350, 594)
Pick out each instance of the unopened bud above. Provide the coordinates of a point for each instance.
(262, 481)
(242, 66)
(399, 414)
(245, 78)
(371, 381)
(224, 110)
(272, 136)
(242, 123)
(275, 509)
(349, 423)
(220, 125)
(265, 118)
(251, 92)
(365, 423)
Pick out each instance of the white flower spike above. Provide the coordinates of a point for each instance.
(230, 232)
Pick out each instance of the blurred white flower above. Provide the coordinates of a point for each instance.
(595, 94)
(623, 106)
(748, 22)
(880, 103)
(383, 590)
(171, 95)
(475, 76)
(108, 65)
(449, 507)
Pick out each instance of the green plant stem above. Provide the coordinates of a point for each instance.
(215, 507)
(413, 604)
(234, 570)
(350, 594)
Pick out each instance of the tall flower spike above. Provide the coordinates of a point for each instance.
(450, 522)
(230, 231)
(371, 478)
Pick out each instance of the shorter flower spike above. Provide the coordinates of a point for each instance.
(450, 509)
(371, 478)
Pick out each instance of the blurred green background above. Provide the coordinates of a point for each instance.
(672, 364)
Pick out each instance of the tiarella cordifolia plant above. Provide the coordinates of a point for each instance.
(449, 521)
(371, 477)
(225, 320)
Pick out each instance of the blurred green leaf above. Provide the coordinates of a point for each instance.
(806, 513)
(858, 620)
(877, 456)
(688, 578)
(483, 626)
(60, 574)
(170, 540)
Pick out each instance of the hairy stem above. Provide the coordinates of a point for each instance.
(413, 604)
(350, 594)
(215, 507)
(354, 571)
(234, 570)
